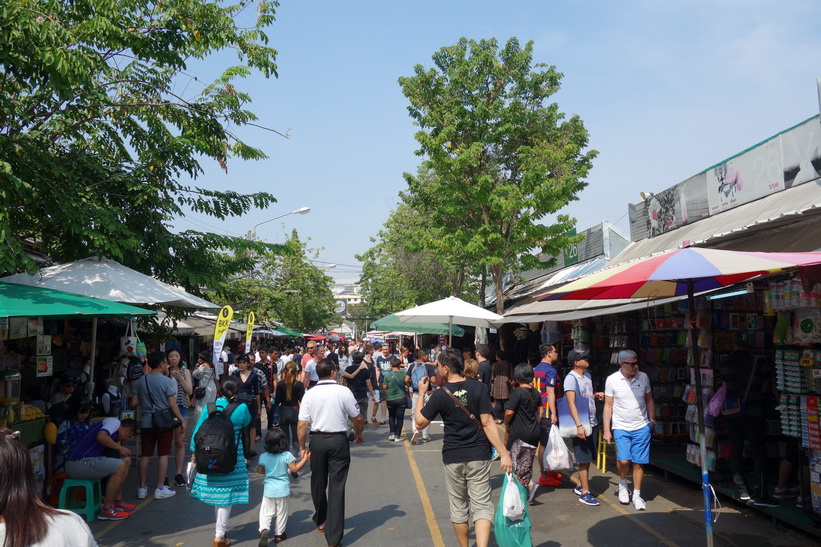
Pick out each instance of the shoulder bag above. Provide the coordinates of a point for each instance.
(164, 419)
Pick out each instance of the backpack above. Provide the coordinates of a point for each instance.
(115, 403)
(215, 445)
(419, 371)
(134, 370)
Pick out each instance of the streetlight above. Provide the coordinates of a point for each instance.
(300, 211)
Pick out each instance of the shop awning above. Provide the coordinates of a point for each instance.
(392, 323)
(289, 332)
(24, 301)
(786, 221)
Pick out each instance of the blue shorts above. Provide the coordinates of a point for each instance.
(633, 446)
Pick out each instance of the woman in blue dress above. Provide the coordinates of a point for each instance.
(223, 490)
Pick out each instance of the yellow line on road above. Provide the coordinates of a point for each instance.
(430, 516)
(114, 524)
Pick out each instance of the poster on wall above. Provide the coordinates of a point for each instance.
(45, 365)
(801, 150)
(684, 203)
(746, 177)
(35, 326)
(18, 327)
(4, 328)
(43, 344)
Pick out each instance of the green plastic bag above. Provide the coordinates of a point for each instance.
(512, 533)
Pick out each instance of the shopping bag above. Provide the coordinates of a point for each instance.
(190, 473)
(512, 533)
(716, 404)
(514, 507)
(128, 343)
(556, 455)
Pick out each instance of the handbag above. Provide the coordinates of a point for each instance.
(734, 406)
(128, 343)
(199, 393)
(164, 419)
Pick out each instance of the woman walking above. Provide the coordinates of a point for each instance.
(224, 490)
(522, 417)
(393, 382)
(249, 391)
(179, 372)
(288, 397)
(502, 374)
(206, 376)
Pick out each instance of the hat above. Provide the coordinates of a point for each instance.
(577, 355)
(743, 338)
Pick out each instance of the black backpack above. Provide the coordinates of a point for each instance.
(215, 445)
(134, 370)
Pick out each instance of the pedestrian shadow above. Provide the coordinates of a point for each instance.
(359, 525)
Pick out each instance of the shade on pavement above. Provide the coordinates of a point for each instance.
(24, 301)
(392, 323)
(107, 279)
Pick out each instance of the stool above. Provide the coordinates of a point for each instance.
(601, 452)
(93, 498)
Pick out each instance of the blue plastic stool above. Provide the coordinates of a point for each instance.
(93, 498)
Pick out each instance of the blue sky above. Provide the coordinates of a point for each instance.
(665, 88)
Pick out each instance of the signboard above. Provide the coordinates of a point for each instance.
(570, 254)
(220, 330)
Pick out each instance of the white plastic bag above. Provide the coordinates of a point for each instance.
(514, 507)
(556, 455)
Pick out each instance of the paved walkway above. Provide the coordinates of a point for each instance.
(396, 497)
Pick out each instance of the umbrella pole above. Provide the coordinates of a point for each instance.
(705, 474)
(90, 385)
(450, 331)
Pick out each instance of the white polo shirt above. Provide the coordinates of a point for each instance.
(629, 406)
(327, 406)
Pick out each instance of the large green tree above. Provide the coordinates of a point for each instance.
(100, 122)
(404, 268)
(505, 160)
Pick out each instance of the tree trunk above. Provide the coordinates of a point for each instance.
(497, 272)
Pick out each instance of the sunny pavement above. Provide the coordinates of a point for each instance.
(387, 506)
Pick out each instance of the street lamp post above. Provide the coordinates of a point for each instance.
(300, 211)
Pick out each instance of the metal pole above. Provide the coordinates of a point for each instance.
(702, 445)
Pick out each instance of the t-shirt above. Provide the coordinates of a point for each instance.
(485, 371)
(395, 380)
(310, 368)
(277, 482)
(524, 426)
(464, 441)
(384, 363)
(161, 388)
(544, 376)
(359, 383)
(629, 406)
(297, 392)
(583, 386)
(65, 529)
(87, 446)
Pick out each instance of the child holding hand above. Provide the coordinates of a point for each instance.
(275, 464)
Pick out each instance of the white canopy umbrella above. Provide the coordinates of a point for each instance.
(451, 310)
(104, 278)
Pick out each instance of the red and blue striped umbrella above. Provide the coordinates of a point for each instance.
(669, 274)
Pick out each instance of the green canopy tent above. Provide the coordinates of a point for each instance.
(29, 301)
(392, 323)
(289, 332)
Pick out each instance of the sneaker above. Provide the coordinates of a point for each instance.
(531, 492)
(766, 501)
(179, 480)
(785, 493)
(799, 502)
(142, 493)
(415, 438)
(164, 492)
(391, 437)
(123, 506)
(624, 495)
(578, 490)
(263, 538)
(494, 454)
(398, 439)
(426, 439)
(588, 499)
(639, 503)
(112, 513)
(743, 494)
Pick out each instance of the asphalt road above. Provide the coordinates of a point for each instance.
(396, 497)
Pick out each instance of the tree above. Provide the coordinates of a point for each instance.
(96, 131)
(503, 159)
(404, 269)
(286, 288)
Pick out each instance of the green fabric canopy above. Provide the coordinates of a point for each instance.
(27, 301)
(289, 332)
(391, 323)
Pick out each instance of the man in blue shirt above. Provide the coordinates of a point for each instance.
(545, 378)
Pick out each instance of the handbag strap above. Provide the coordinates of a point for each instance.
(148, 392)
(470, 414)
(750, 380)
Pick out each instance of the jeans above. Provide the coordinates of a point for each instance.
(751, 428)
(396, 416)
(288, 418)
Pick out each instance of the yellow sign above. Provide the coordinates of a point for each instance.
(220, 330)
(249, 331)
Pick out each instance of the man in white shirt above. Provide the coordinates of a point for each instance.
(326, 408)
(629, 405)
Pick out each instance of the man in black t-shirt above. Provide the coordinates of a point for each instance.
(466, 445)
(485, 369)
(358, 379)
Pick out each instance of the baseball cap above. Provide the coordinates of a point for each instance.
(577, 355)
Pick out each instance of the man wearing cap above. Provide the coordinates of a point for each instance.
(746, 379)
(579, 384)
(64, 391)
(629, 408)
(327, 408)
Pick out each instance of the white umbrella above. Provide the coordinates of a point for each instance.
(450, 309)
(110, 280)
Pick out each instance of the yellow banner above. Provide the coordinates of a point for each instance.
(249, 331)
(220, 330)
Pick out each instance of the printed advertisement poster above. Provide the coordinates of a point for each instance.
(35, 326)
(801, 149)
(45, 365)
(43, 344)
(746, 177)
(18, 327)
